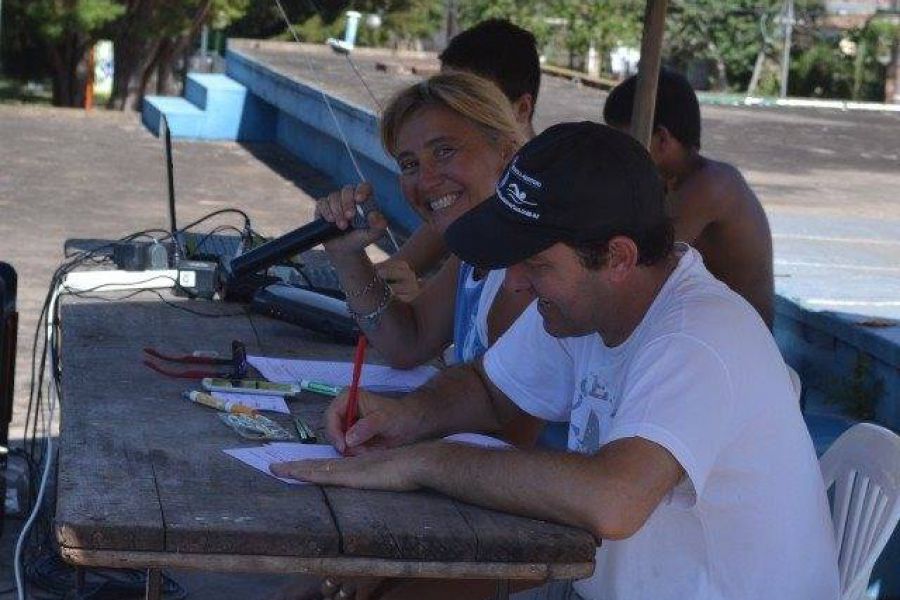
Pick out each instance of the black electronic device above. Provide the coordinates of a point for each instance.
(294, 242)
(322, 311)
(139, 255)
(8, 332)
(196, 279)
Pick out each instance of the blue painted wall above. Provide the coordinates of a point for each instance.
(305, 126)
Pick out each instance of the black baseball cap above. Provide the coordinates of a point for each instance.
(576, 183)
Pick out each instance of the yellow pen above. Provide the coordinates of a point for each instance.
(223, 405)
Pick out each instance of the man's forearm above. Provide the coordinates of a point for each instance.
(456, 400)
(611, 493)
(554, 486)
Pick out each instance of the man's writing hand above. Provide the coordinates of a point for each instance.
(383, 423)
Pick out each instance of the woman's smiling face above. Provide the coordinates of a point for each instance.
(447, 164)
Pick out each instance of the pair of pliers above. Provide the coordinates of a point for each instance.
(237, 366)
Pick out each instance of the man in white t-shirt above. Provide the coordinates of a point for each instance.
(688, 455)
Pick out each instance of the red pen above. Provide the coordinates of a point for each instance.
(353, 399)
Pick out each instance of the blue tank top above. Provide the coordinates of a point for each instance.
(466, 342)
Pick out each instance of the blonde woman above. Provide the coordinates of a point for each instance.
(451, 136)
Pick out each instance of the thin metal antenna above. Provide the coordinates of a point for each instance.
(170, 172)
(328, 104)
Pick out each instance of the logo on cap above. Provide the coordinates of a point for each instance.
(514, 194)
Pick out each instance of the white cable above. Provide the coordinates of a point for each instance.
(327, 101)
(48, 450)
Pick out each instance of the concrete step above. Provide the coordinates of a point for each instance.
(184, 118)
(214, 107)
(213, 89)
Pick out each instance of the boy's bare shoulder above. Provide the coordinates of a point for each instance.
(717, 182)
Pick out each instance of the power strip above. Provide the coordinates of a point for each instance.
(118, 281)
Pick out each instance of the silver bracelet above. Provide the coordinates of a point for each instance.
(370, 320)
(365, 289)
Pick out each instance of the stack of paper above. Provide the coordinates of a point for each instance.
(375, 378)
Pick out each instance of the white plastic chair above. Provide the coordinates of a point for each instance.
(863, 465)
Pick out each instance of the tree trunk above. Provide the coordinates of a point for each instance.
(721, 74)
(167, 51)
(69, 64)
(133, 50)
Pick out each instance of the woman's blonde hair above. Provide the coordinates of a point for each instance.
(470, 96)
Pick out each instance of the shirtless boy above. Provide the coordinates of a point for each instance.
(713, 208)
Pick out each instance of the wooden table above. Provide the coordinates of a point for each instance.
(143, 481)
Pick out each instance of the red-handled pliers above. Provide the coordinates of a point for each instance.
(237, 363)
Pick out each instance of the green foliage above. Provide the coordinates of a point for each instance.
(528, 15)
(314, 30)
(401, 20)
(225, 12)
(606, 23)
(822, 69)
(571, 24)
(53, 19)
(723, 34)
(15, 92)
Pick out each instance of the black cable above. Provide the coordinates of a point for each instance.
(218, 229)
(259, 343)
(88, 295)
(215, 213)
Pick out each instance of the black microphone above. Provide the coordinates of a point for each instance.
(294, 242)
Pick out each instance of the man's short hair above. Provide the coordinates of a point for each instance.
(677, 108)
(500, 51)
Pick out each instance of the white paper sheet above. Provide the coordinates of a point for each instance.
(262, 457)
(375, 378)
(257, 401)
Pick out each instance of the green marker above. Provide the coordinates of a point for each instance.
(318, 387)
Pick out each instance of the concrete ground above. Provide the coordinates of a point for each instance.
(829, 180)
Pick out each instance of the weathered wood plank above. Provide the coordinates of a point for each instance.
(421, 525)
(232, 509)
(341, 566)
(106, 495)
(502, 537)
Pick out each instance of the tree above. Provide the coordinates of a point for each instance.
(603, 23)
(730, 35)
(65, 29)
(404, 23)
(575, 24)
(153, 35)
